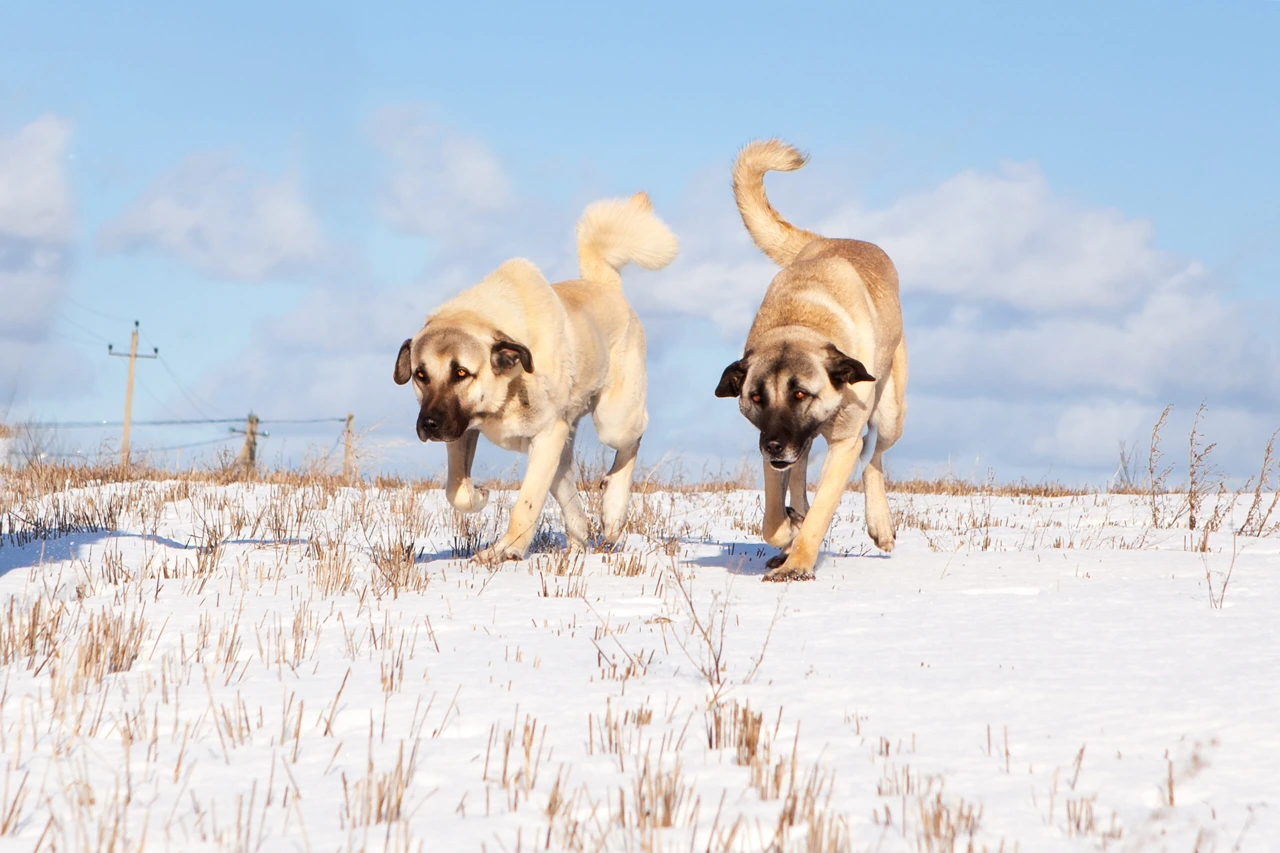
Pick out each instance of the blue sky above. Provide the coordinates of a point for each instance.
(1081, 198)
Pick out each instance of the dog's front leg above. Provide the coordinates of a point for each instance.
(778, 529)
(798, 485)
(544, 460)
(458, 488)
(842, 457)
(794, 484)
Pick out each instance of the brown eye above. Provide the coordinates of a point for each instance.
(799, 395)
(421, 374)
(755, 398)
(461, 373)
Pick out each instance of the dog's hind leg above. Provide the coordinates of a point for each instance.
(886, 429)
(461, 493)
(879, 517)
(565, 491)
(620, 420)
(617, 492)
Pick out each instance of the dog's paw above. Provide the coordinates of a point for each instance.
(470, 500)
(613, 538)
(496, 554)
(782, 574)
(881, 533)
(789, 567)
(783, 536)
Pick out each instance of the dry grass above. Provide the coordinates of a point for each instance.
(1257, 520)
(346, 559)
(379, 796)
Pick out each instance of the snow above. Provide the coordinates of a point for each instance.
(1022, 672)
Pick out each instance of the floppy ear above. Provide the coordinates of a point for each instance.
(844, 370)
(731, 380)
(506, 354)
(402, 363)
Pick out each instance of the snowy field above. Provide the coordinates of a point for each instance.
(270, 667)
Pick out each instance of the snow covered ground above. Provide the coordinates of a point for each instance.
(270, 667)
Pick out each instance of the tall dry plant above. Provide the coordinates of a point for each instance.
(1257, 520)
(1158, 473)
(1202, 475)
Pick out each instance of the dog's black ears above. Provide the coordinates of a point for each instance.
(844, 370)
(731, 380)
(403, 371)
(506, 354)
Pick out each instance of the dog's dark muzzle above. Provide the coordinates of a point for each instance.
(783, 449)
(778, 454)
(435, 426)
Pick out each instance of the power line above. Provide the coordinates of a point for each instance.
(93, 424)
(183, 389)
(90, 332)
(64, 336)
(305, 421)
(185, 446)
(184, 422)
(163, 406)
(84, 454)
(102, 314)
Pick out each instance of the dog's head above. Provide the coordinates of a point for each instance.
(788, 390)
(461, 374)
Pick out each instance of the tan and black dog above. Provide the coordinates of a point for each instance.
(825, 356)
(520, 361)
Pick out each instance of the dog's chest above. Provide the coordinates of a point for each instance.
(507, 436)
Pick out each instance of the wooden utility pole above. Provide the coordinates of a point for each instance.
(348, 451)
(249, 452)
(128, 393)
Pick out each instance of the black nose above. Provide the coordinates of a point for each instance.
(431, 424)
(773, 448)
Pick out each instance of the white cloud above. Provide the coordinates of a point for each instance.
(36, 227)
(1038, 328)
(1000, 238)
(1042, 332)
(441, 184)
(1006, 237)
(35, 199)
(216, 216)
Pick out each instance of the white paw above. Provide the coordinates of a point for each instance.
(469, 500)
(881, 533)
(787, 531)
(498, 553)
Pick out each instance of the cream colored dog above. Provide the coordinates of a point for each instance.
(521, 361)
(825, 356)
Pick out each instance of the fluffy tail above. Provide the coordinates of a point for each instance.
(615, 232)
(775, 236)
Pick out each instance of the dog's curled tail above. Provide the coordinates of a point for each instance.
(775, 236)
(615, 232)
